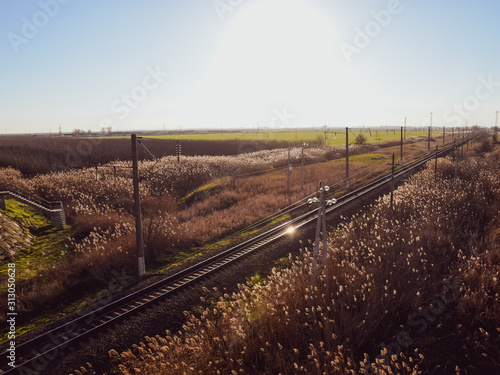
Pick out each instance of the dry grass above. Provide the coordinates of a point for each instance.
(100, 209)
(423, 279)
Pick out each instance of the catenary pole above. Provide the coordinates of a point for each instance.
(401, 161)
(302, 170)
(316, 242)
(347, 156)
(429, 139)
(288, 172)
(392, 183)
(436, 164)
(137, 209)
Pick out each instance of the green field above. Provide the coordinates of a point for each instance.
(333, 137)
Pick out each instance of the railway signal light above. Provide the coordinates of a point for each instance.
(322, 190)
(312, 200)
(331, 202)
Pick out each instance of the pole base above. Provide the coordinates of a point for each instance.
(141, 266)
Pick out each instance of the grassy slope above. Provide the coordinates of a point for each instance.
(48, 246)
(47, 249)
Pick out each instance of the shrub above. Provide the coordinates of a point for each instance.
(360, 140)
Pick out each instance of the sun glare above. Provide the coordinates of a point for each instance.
(275, 53)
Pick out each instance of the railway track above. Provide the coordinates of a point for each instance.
(33, 355)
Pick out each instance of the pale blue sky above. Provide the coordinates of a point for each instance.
(234, 63)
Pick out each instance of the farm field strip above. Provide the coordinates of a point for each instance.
(334, 137)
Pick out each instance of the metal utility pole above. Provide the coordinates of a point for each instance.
(316, 241)
(495, 131)
(392, 183)
(401, 161)
(456, 160)
(321, 227)
(289, 171)
(178, 151)
(302, 170)
(137, 209)
(444, 134)
(436, 164)
(325, 246)
(429, 140)
(347, 156)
